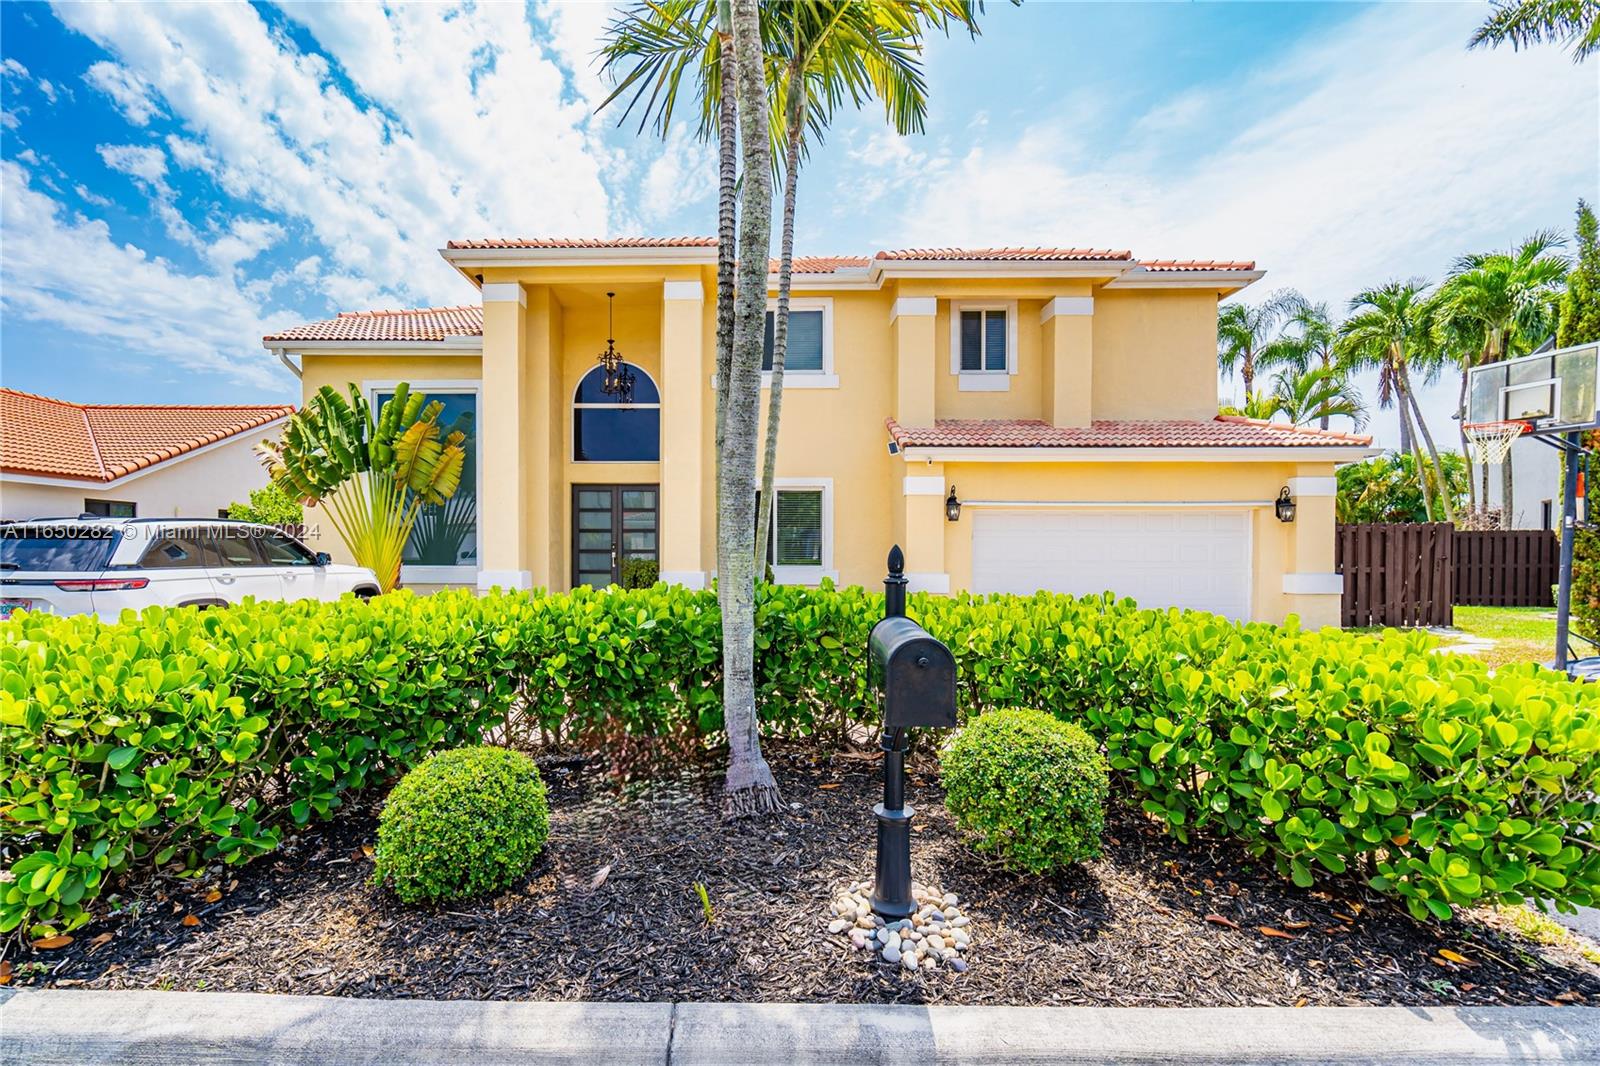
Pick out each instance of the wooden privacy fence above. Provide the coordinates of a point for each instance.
(1395, 574)
(1414, 574)
(1506, 568)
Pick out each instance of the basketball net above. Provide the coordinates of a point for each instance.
(1491, 441)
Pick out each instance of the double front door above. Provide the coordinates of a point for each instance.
(616, 532)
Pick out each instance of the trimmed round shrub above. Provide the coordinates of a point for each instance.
(462, 823)
(1027, 787)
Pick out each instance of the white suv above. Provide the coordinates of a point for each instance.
(103, 566)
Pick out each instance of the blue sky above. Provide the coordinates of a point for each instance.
(180, 179)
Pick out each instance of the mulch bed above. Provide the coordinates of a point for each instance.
(610, 913)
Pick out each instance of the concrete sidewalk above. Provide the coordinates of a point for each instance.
(198, 1028)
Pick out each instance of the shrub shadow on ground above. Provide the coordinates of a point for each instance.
(609, 912)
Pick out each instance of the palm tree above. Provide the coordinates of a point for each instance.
(665, 40)
(1306, 341)
(1243, 332)
(817, 56)
(749, 787)
(1495, 306)
(1388, 327)
(1523, 23)
(827, 51)
(1316, 395)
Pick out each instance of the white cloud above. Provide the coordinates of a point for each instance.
(88, 196)
(471, 134)
(127, 90)
(68, 272)
(147, 164)
(680, 176)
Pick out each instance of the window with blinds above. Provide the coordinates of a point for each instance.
(797, 528)
(804, 352)
(983, 341)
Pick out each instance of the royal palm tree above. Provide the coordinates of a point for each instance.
(719, 46)
(1389, 327)
(1524, 23)
(1498, 305)
(828, 52)
(817, 56)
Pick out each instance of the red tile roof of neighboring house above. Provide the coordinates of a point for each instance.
(420, 324)
(102, 442)
(1197, 264)
(588, 242)
(989, 254)
(1224, 431)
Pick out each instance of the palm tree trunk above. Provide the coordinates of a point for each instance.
(795, 123)
(1446, 504)
(1416, 453)
(727, 185)
(749, 787)
(1247, 371)
(1466, 446)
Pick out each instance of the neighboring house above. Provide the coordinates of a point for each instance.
(1065, 398)
(1535, 484)
(61, 459)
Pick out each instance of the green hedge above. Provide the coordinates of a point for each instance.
(186, 738)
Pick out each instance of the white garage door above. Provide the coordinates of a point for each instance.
(1174, 558)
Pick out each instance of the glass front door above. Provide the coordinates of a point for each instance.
(615, 535)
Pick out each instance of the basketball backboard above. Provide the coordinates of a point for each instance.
(1555, 392)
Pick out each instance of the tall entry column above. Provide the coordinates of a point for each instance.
(683, 382)
(503, 497)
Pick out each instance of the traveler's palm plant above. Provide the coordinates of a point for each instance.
(373, 475)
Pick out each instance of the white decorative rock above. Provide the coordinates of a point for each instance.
(930, 963)
(891, 954)
(838, 925)
(936, 942)
(951, 899)
(892, 940)
(909, 961)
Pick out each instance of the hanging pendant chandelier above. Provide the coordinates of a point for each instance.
(619, 376)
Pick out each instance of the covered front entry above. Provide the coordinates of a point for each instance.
(616, 535)
(1176, 557)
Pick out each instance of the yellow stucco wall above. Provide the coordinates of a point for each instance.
(1140, 353)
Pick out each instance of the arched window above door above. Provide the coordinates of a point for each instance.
(606, 431)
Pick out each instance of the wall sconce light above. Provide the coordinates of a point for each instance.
(952, 506)
(1285, 505)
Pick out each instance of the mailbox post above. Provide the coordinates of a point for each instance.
(916, 678)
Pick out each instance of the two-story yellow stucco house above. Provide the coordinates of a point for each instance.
(1064, 398)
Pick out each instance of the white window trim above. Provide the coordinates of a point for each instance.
(983, 380)
(825, 378)
(805, 575)
(444, 575)
(572, 432)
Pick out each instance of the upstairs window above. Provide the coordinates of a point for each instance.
(983, 341)
(983, 344)
(805, 349)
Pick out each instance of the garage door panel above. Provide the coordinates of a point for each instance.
(1191, 559)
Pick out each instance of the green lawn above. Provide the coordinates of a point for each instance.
(1521, 634)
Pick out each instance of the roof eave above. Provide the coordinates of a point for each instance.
(1001, 268)
(1203, 453)
(461, 345)
(464, 259)
(66, 480)
(1224, 281)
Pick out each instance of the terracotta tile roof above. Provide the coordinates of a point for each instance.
(823, 264)
(1018, 254)
(588, 242)
(1197, 264)
(102, 442)
(419, 324)
(1224, 431)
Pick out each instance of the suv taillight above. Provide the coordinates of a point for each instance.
(121, 584)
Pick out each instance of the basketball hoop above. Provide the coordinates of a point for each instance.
(1491, 441)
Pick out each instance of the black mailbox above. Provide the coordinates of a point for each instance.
(915, 673)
